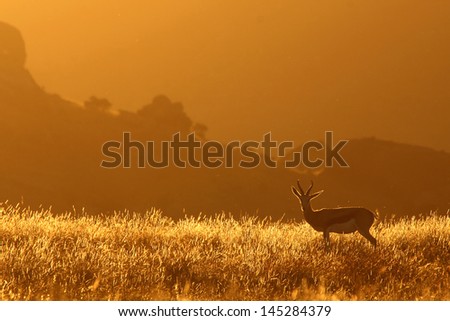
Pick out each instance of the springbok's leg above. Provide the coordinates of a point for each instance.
(368, 236)
(326, 237)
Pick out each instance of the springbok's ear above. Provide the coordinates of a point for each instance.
(316, 194)
(295, 192)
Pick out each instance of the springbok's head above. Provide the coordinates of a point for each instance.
(302, 196)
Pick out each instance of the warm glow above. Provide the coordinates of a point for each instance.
(219, 150)
(253, 62)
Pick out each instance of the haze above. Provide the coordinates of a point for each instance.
(296, 68)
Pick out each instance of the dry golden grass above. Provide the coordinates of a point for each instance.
(130, 256)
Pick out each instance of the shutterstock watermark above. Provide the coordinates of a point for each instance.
(188, 151)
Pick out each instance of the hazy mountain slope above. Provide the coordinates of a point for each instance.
(388, 176)
(51, 153)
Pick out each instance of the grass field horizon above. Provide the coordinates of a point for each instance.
(148, 256)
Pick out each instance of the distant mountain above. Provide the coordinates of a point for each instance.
(389, 177)
(51, 154)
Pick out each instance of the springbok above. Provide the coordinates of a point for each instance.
(338, 220)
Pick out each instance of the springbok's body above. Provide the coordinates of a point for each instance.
(342, 220)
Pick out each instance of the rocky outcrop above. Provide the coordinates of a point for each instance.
(12, 46)
(13, 74)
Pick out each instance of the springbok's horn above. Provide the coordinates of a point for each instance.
(301, 189)
(309, 189)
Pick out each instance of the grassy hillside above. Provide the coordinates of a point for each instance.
(131, 256)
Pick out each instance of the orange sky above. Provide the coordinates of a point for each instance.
(364, 68)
